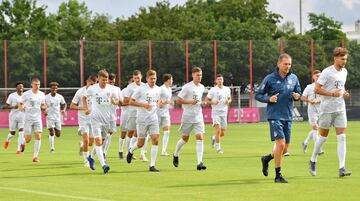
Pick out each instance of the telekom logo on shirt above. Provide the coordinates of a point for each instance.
(339, 84)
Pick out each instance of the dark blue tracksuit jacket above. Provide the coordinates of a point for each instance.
(273, 84)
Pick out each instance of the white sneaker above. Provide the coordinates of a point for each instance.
(219, 151)
(212, 141)
(286, 154)
(143, 158)
(164, 154)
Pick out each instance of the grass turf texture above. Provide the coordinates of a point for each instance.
(234, 175)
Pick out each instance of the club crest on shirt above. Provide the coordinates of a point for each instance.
(278, 82)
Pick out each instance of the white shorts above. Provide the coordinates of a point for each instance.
(98, 129)
(32, 126)
(219, 120)
(85, 128)
(108, 128)
(123, 120)
(152, 129)
(164, 121)
(313, 119)
(336, 119)
(131, 124)
(186, 128)
(16, 122)
(53, 124)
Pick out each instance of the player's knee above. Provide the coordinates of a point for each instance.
(37, 136)
(57, 133)
(27, 139)
(199, 137)
(185, 138)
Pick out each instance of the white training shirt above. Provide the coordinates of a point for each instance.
(332, 80)
(151, 95)
(165, 95)
(117, 91)
(192, 113)
(309, 93)
(219, 94)
(32, 102)
(125, 107)
(82, 117)
(102, 108)
(131, 88)
(53, 103)
(13, 100)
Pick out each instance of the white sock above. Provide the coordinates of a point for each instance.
(133, 141)
(317, 147)
(165, 140)
(315, 135)
(309, 137)
(20, 139)
(93, 152)
(100, 155)
(341, 148)
(127, 141)
(199, 150)
(218, 146)
(121, 144)
(133, 148)
(107, 143)
(51, 141)
(154, 152)
(9, 137)
(85, 155)
(179, 144)
(144, 148)
(37, 146)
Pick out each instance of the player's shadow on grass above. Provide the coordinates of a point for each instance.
(223, 183)
(45, 175)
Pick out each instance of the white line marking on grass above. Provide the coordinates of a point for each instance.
(52, 194)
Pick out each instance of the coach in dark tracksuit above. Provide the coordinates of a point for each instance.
(279, 90)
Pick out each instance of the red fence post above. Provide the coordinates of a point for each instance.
(5, 69)
(119, 62)
(251, 68)
(82, 62)
(215, 58)
(312, 58)
(187, 59)
(150, 54)
(45, 70)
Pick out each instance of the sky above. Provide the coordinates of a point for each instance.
(344, 11)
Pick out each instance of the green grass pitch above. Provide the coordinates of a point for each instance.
(235, 175)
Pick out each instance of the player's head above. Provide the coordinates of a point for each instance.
(168, 79)
(129, 80)
(35, 83)
(151, 77)
(219, 80)
(196, 74)
(92, 79)
(137, 76)
(284, 63)
(340, 56)
(19, 87)
(103, 77)
(112, 78)
(316, 75)
(54, 87)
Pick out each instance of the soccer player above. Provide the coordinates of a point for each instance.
(146, 98)
(56, 107)
(190, 97)
(16, 118)
(84, 119)
(313, 101)
(331, 85)
(132, 111)
(163, 111)
(102, 98)
(33, 101)
(219, 97)
(111, 128)
(279, 90)
(123, 120)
